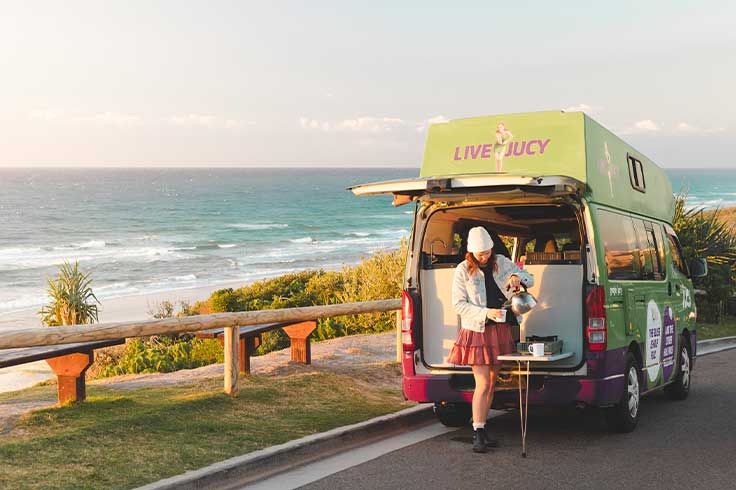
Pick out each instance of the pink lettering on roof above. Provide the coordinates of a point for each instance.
(522, 148)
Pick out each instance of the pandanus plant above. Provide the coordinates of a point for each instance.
(710, 235)
(72, 299)
(704, 233)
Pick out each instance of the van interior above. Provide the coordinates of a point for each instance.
(545, 239)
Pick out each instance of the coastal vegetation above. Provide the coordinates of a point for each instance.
(710, 235)
(72, 299)
(376, 277)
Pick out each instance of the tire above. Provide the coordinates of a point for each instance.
(679, 389)
(624, 416)
(453, 414)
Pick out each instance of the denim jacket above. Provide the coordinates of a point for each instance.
(469, 292)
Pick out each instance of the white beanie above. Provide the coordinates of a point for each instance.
(479, 240)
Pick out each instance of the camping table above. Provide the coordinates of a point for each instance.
(524, 407)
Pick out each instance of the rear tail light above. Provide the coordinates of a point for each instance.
(596, 314)
(407, 321)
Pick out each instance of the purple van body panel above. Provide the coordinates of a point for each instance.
(555, 391)
(604, 385)
(693, 347)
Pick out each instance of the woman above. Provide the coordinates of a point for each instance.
(503, 136)
(482, 283)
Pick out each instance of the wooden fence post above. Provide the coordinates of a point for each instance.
(70, 372)
(299, 333)
(232, 341)
(398, 336)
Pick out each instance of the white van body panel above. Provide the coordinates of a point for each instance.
(440, 325)
(465, 182)
(559, 293)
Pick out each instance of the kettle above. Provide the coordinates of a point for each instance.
(521, 302)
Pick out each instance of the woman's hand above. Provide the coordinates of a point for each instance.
(494, 314)
(514, 282)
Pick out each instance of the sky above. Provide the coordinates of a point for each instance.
(218, 83)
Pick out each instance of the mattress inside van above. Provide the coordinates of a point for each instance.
(559, 292)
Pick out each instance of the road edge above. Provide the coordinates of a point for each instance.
(241, 470)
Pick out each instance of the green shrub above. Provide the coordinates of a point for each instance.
(163, 354)
(377, 277)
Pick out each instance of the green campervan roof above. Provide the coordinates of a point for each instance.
(552, 143)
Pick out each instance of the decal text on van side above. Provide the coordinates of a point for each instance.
(514, 149)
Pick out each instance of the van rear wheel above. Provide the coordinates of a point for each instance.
(624, 416)
(453, 414)
(679, 389)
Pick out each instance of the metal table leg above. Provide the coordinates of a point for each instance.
(523, 408)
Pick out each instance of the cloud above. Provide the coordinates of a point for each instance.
(307, 123)
(646, 125)
(360, 124)
(48, 115)
(100, 119)
(422, 125)
(371, 124)
(590, 109)
(109, 118)
(650, 126)
(643, 126)
(683, 127)
(207, 121)
(112, 119)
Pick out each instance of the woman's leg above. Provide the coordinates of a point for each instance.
(493, 370)
(499, 161)
(481, 373)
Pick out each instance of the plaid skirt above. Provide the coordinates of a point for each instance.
(482, 347)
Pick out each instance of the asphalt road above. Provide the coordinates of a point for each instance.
(688, 444)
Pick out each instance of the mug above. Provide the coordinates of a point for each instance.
(502, 317)
(537, 349)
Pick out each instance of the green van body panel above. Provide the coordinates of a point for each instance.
(545, 143)
(608, 177)
(550, 143)
(652, 314)
(648, 316)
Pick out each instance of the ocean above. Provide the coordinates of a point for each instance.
(141, 231)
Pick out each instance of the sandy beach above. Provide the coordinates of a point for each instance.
(127, 308)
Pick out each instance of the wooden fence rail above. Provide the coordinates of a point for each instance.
(231, 322)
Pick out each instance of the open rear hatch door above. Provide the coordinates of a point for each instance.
(460, 187)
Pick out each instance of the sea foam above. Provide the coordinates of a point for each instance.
(256, 226)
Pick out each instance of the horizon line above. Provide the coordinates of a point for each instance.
(260, 166)
(103, 166)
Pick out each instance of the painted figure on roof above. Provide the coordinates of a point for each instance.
(503, 136)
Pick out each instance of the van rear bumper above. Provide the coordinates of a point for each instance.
(548, 391)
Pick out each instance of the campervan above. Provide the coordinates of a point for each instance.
(591, 218)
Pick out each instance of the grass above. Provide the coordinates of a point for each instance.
(123, 439)
(715, 330)
(728, 215)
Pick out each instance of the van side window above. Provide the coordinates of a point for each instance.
(636, 174)
(644, 254)
(620, 245)
(654, 247)
(651, 264)
(675, 251)
(660, 234)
